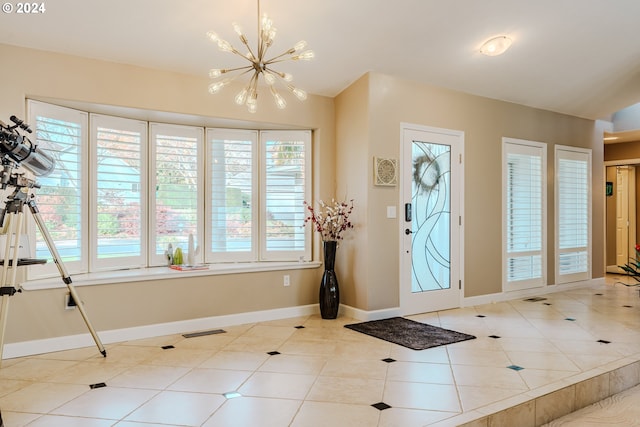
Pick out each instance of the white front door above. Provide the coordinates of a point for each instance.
(625, 214)
(431, 222)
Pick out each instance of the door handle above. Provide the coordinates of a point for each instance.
(407, 231)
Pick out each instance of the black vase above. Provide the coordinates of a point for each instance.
(329, 290)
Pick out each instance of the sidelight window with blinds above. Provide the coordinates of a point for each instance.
(572, 214)
(524, 213)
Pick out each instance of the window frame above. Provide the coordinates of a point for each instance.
(119, 262)
(582, 154)
(534, 148)
(305, 253)
(164, 129)
(35, 109)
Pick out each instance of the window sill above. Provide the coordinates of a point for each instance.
(163, 273)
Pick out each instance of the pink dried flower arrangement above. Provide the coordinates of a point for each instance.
(330, 220)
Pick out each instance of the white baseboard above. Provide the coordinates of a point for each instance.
(364, 316)
(48, 345)
(511, 295)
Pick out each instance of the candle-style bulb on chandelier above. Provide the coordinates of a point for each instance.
(259, 64)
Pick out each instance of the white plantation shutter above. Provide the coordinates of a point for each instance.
(524, 168)
(285, 184)
(123, 189)
(119, 205)
(177, 176)
(232, 206)
(62, 134)
(573, 214)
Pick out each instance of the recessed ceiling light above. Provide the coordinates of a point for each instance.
(610, 138)
(495, 46)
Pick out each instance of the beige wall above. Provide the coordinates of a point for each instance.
(484, 121)
(362, 122)
(42, 75)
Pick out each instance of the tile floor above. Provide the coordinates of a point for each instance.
(326, 375)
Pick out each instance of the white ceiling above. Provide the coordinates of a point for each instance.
(580, 57)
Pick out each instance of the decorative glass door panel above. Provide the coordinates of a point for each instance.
(431, 222)
(431, 193)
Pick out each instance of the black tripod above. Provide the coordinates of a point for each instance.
(11, 220)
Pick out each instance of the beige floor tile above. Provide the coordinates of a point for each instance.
(128, 354)
(488, 376)
(294, 364)
(254, 344)
(354, 368)
(309, 347)
(77, 354)
(473, 397)
(18, 419)
(359, 391)
(148, 376)
(35, 369)
(264, 331)
(180, 408)
(136, 424)
(9, 386)
(207, 342)
(236, 360)
(108, 402)
(539, 345)
(324, 414)
(41, 397)
(436, 397)
(185, 357)
(254, 411)
(535, 378)
(373, 349)
(537, 360)
(88, 373)
(290, 321)
(210, 381)
(476, 357)
(587, 362)
(420, 372)
(62, 421)
(279, 385)
(156, 341)
(400, 417)
(430, 355)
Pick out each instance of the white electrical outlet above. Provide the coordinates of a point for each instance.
(287, 280)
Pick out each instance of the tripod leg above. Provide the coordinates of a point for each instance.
(3, 321)
(63, 272)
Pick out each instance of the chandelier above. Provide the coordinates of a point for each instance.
(259, 64)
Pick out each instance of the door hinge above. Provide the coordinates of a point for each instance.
(460, 220)
(459, 284)
(460, 161)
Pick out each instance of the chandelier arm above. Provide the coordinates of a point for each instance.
(277, 74)
(246, 44)
(231, 70)
(246, 70)
(277, 58)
